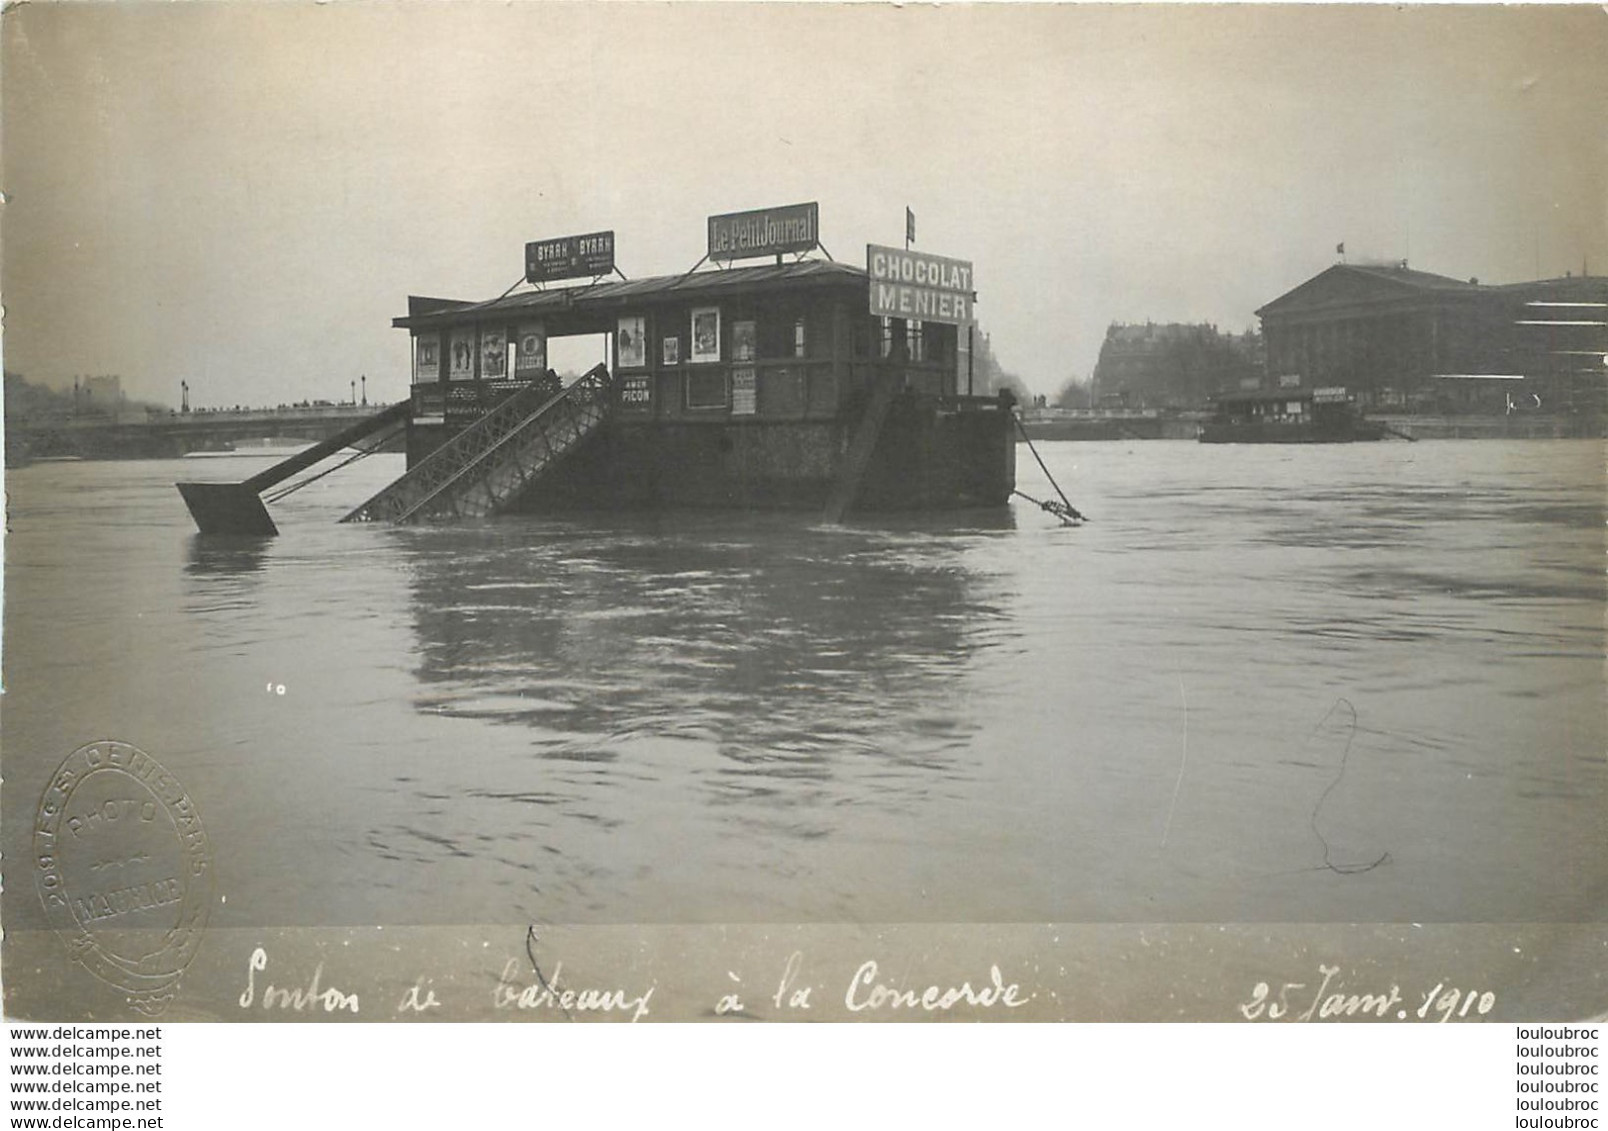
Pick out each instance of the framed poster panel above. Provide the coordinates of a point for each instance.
(493, 353)
(530, 351)
(631, 347)
(426, 359)
(672, 352)
(462, 357)
(742, 341)
(706, 334)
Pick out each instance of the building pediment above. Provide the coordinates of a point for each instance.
(1347, 284)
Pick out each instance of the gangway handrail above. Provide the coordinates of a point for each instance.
(587, 380)
(463, 444)
(594, 381)
(480, 459)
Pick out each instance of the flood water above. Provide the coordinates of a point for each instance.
(1302, 684)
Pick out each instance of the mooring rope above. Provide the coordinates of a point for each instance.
(1064, 510)
(1059, 510)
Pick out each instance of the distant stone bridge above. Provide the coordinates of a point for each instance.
(168, 434)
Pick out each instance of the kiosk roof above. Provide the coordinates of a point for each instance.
(621, 293)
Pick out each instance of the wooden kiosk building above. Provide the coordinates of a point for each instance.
(801, 383)
(770, 386)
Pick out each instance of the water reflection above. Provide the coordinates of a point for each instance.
(782, 643)
(701, 718)
(776, 679)
(226, 555)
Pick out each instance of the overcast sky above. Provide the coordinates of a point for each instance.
(243, 195)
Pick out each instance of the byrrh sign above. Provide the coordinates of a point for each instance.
(922, 288)
(569, 257)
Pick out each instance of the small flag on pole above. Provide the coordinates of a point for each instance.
(1339, 249)
(910, 226)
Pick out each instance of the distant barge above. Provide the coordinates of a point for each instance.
(1288, 416)
(805, 384)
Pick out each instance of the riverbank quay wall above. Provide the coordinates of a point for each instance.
(741, 387)
(1514, 426)
(1420, 426)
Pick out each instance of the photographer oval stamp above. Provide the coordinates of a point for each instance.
(124, 869)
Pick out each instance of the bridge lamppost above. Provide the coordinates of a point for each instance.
(354, 392)
(364, 379)
(184, 396)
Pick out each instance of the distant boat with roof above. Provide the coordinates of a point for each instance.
(1301, 415)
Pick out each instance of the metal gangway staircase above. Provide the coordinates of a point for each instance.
(488, 465)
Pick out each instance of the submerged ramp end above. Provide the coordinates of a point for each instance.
(236, 508)
(227, 508)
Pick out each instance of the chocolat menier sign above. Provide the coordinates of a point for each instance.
(919, 287)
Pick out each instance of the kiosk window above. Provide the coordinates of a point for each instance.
(706, 389)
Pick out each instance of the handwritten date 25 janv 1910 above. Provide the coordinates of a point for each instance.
(1330, 1000)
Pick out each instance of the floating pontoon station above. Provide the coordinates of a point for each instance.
(799, 383)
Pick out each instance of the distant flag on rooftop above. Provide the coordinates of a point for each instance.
(1340, 249)
(910, 226)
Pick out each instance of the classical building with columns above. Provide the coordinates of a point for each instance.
(1400, 338)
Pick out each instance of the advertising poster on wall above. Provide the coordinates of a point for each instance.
(706, 334)
(530, 353)
(672, 351)
(744, 393)
(632, 350)
(426, 359)
(462, 367)
(742, 341)
(493, 353)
